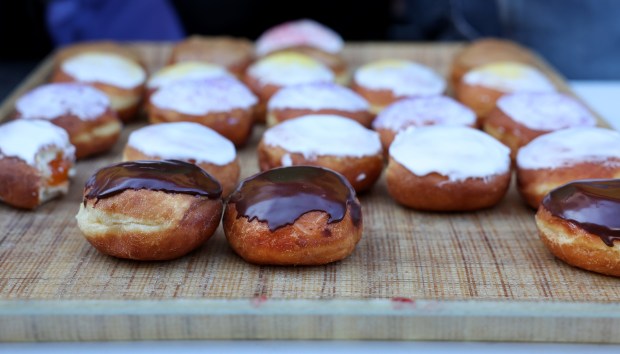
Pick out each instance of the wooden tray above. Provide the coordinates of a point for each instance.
(422, 276)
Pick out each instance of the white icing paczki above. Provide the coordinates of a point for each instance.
(299, 33)
(404, 78)
(323, 134)
(105, 68)
(183, 141)
(54, 100)
(316, 96)
(188, 70)
(26, 138)
(509, 77)
(569, 147)
(420, 111)
(289, 68)
(545, 111)
(457, 153)
(199, 97)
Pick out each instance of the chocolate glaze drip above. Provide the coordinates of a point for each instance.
(282, 195)
(169, 176)
(593, 205)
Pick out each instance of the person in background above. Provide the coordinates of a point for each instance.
(580, 38)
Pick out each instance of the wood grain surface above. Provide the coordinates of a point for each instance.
(443, 276)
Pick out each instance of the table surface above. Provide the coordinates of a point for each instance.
(602, 96)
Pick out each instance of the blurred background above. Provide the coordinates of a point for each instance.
(581, 38)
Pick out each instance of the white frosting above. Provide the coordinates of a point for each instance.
(286, 160)
(420, 111)
(183, 141)
(106, 68)
(458, 153)
(316, 96)
(299, 33)
(289, 68)
(54, 100)
(323, 134)
(545, 111)
(200, 97)
(26, 138)
(569, 147)
(188, 70)
(404, 78)
(509, 77)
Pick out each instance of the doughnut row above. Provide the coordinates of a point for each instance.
(324, 143)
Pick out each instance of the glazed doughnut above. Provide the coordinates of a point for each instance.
(235, 54)
(307, 37)
(83, 111)
(36, 160)
(299, 215)
(330, 141)
(386, 81)
(420, 111)
(520, 117)
(317, 98)
(190, 70)
(447, 168)
(189, 142)
(486, 51)
(579, 224)
(557, 158)
(223, 104)
(150, 210)
(481, 87)
(269, 74)
(115, 70)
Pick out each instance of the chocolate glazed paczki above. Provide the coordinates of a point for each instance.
(297, 215)
(150, 210)
(169, 176)
(593, 205)
(280, 196)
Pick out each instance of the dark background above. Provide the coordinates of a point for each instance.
(579, 37)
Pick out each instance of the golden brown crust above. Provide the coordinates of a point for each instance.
(264, 93)
(311, 240)
(510, 132)
(435, 192)
(480, 99)
(575, 246)
(235, 54)
(352, 168)
(91, 136)
(533, 185)
(97, 46)
(19, 183)
(276, 116)
(227, 175)
(378, 99)
(149, 225)
(235, 125)
(486, 51)
(387, 138)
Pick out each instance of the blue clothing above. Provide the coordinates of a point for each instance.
(126, 20)
(581, 38)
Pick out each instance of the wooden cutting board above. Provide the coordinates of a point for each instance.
(413, 276)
